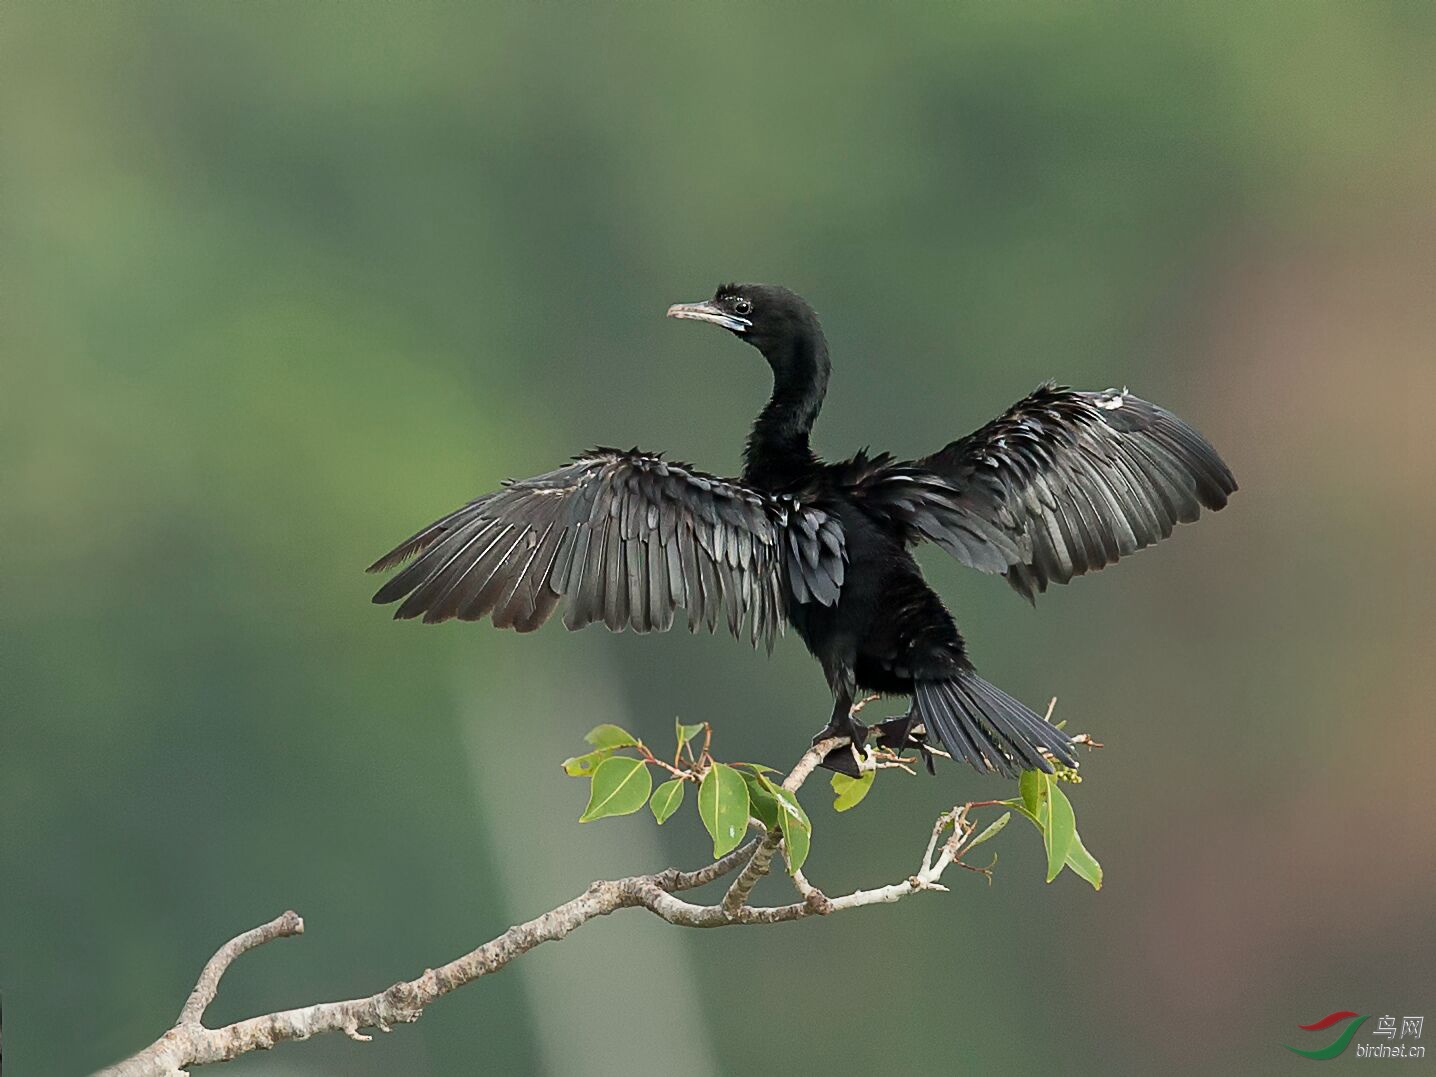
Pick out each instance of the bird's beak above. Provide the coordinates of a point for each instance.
(707, 312)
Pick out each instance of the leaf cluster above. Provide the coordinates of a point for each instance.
(731, 798)
(1042, 801)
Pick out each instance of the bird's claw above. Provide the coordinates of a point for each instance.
(903, 732)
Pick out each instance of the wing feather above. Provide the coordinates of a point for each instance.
(622, 538)
(1068, 482)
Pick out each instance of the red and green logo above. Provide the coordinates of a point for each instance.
(1336, 1046)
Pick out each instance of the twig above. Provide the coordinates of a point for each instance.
(809, 761)
(648, 757)
(758, 866)
(281, 927)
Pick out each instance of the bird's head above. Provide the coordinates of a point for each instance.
(767, 316)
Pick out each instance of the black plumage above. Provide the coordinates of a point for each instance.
(1063, 483)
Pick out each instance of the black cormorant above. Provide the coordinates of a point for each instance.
(1063, 483)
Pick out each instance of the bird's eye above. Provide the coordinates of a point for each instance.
(742, 306)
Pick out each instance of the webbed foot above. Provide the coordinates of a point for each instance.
(844, 758)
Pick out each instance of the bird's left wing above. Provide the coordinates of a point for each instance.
(1069, 481)
(623, 538)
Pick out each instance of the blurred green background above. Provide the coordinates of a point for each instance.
(283, 282)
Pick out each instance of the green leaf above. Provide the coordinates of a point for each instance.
(1030, 787)
(756, 768)
(851, 790)
(685, 733)
(993, 829)
(797, 836)
(1079, 860)
(793, 821)
(723, 807)
(1021, 809)
(1083, 864)
(1061, 829)
(761, 803)
(620, 787)
(610, 736)
(667, 799)
(582, 766)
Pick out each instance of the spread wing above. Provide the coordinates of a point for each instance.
(625, 538)
(1073, 481)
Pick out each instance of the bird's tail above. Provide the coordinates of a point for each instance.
(982, 724)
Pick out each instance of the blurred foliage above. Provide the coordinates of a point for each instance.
(281, 281)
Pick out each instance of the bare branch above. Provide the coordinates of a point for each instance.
(757, 867)
(190, 1043)
(281, 927)
(673, 879)
(809, 762)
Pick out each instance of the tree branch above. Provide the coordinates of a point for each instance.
(190, 1043)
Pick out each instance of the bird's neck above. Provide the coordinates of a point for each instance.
(778, 451)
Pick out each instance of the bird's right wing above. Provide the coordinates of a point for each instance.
(625, 538)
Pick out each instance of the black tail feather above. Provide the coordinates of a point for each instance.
(1011, 740)
(978, 722)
